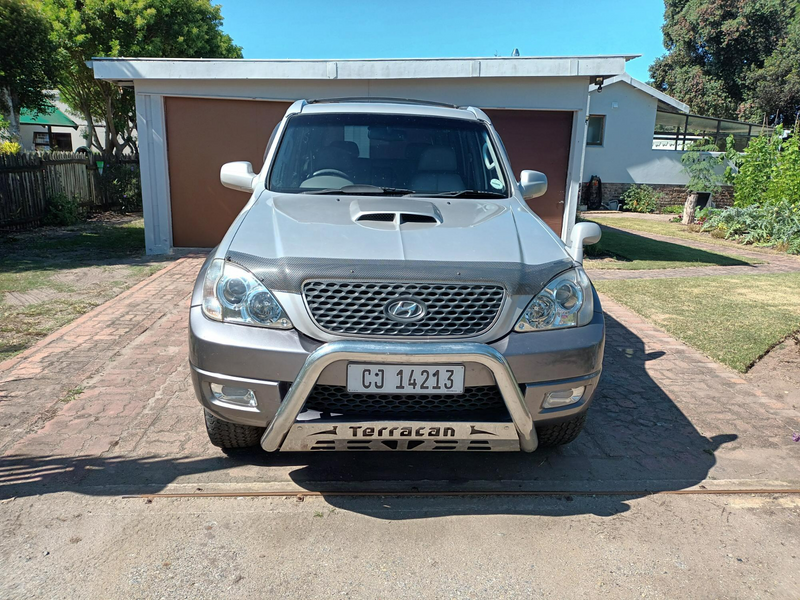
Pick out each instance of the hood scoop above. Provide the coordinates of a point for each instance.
(392, 213)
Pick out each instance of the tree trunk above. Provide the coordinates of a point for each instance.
(688, 208)
(13, 114)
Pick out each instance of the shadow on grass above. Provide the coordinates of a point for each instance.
(632, 248)
(637, 441)
(85, 245)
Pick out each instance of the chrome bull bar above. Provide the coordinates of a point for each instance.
(405, 353)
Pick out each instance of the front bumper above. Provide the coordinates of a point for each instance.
(282, 367)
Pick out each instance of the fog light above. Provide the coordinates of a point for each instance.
(563, 397)
(233, 395)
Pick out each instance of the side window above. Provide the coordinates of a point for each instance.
(596, 130)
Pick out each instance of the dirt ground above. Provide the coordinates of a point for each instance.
(777, 374)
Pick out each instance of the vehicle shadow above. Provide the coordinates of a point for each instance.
(637, 441)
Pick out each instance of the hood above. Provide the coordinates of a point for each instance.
(282, 226)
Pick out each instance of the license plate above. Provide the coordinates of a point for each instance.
(402, 379)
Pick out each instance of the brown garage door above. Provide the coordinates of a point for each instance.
(201, 136)
(539, 140)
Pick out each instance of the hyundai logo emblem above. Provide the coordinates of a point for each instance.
(405, 310)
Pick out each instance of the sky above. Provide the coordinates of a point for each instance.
(446, 28)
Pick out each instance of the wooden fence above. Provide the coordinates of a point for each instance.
(28, 180)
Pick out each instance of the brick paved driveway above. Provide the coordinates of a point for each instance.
(665, 418)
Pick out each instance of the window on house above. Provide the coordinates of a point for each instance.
(597, 125)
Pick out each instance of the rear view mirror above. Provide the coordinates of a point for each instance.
(237, 176)
(583, 234)
(533, 183)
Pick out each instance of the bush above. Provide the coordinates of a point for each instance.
(768, 172)
(62, 210)
(121, 186)
(675, 209)
(641, 199)
(776, 225)
(9, 147)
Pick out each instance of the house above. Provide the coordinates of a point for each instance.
(55, 129)
(193, 115)
(637, 135)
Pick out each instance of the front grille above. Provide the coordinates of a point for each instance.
(359, 308)
(480, 402)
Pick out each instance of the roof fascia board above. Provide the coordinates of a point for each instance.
(120, 69)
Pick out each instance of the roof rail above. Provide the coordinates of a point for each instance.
(381, 99)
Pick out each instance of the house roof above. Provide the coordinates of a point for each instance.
(126, 70)
(665, 102)
(51, 116)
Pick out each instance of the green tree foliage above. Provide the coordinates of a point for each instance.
(28, 60)
(727, 58)
(132, 28)
(702, 167)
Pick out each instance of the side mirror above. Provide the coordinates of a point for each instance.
(237, 176)
(583, 234)
(534, 184)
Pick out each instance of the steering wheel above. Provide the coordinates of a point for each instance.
(330, 172)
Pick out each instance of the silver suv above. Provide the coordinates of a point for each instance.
(387, 288)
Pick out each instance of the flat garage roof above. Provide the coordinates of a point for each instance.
(127, 70)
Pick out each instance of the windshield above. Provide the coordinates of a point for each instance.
(387, 155)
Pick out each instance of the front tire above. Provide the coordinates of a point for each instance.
(227, 436)
(561, 433)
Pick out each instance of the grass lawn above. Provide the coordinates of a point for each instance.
(620, 250)
(668, 228)
(50, 276)
(734, 320)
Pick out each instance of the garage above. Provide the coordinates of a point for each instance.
(193, 115)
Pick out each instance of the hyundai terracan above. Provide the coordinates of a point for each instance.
(387, 287)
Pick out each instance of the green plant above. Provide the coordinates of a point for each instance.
(121, 186)
(9, 147)
(674, 209)
(62, 210)
(641, 199)
(776, 225)
(768, 171)
(700, 163)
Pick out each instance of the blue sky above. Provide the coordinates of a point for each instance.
(427, 28)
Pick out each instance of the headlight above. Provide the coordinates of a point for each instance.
(566, 301)
(234, 295)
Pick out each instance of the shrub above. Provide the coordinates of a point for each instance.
(62, 210)
(776, 225)
(674, 209)
(121, 186)
(768, 171)
(9, 147)
(641, 199)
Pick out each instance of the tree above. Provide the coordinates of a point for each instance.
(715, 48)
(701, 163)
(776, 87)
(133, 28)
(28, 61)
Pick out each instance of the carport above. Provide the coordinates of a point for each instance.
(193, 115)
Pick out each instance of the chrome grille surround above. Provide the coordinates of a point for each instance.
(484, 401)
(358, 308)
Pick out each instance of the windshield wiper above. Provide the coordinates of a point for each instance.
(462, 194)
(363, 190)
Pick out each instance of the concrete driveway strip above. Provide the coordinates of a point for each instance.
(666, 418)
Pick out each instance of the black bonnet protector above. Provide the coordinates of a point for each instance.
(288, 274)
